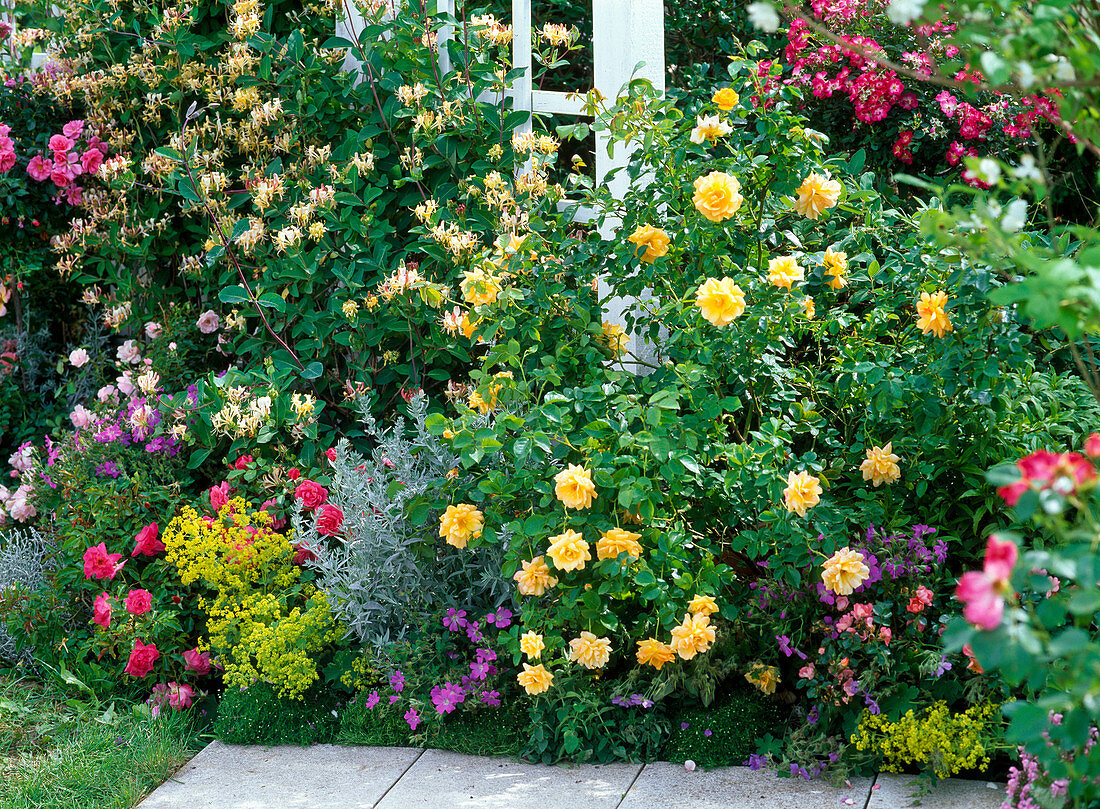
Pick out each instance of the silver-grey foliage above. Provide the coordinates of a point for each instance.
(22, 565)
(385, 573)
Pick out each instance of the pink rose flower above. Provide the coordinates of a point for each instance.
(983, 592)
(59, 144)
(219, 496)
(81, 416)
(153, 330)
(98, 564)
(330, 453)
(302, 554)
(242, 462)
(79, 357)
(330, 521)
(101, 611)
(147, 542)
(196, 661)
(129, 352)
(180, 696)
(142, 659)
(39, 169)
(806, 672)
(139, 602)
(1092, 445)
(311, 494)
(73, 129)
(91, 160)
(208, 322)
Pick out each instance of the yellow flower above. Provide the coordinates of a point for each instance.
(693, 636)
(616, 541)
(459, 523)
(703, 605)
(808, 307)
(533, 578)
(802, 492)
(590, 651)
(726, 99)
(654, 240)
(615, 338)
(535, 679)
(717, 196)
(783, 271)
(479, 287)
(815, 195)
(569, 551)
(652, 652)
(766, 678)
(844, 572)
(574, 487)
(467, 326)
(881, 465)
(836, 265)
(720, 301)
(933, 318)
(709, 127)
(531, 644)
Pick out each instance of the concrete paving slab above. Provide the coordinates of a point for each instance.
(897, 792)
(662, 784)
(442, 780)
(324, 776)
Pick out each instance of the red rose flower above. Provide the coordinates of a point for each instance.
(196, 661)
(147, 542)
(243, 462)
(330, 521)
(139, 602)
(219, 496)
(311, 494)
(102, 610)
(303, 554)
(1092, 445)
(330, 453)
(293, 474)
(98, 564)
(142, 659)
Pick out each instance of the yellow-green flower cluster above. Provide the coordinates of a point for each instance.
(944, 742)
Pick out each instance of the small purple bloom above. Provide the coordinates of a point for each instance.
(684, 725)
(491, 698)
(412, 717)
(397, 681)
(501, 619)
(756, 761)
(708, 733)
(447, 697)
(394, 698)
(372, 700)
(473, 632)
(479, 670)
(454, 620)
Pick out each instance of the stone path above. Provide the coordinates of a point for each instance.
(332, 777)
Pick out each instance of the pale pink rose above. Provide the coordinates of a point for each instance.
(79, 357)
(806, 672)
(106, 392)
(172, 346)
(19, 508)
(73, 129)
(125, 384)
(153, 330)
(180, 696)
(129, 352)
(208, 322)
(81, 416)
(23, 458)
(59, 144)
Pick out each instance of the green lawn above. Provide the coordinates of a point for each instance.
(58, 751)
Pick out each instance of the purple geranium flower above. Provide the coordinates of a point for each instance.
(491, 698)
(756, 761)
(397, 681)
(501, 619)
(454, 620)
(372, 700)
(412, 717)
(447, 697)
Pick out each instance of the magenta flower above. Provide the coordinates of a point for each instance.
(372, 700)
(447, 697)
(412, 717)
(982, 592)
(454, 620)
(501, 619)
(491, 698)
(397, 681)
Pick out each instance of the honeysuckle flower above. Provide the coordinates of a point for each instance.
(533, 578)
(532, 645)
(693, 636)
(784, 271)
(720, 301)
(844, 571)
(535, 679)
(616, 541)
(881, 465)
(983, 592)
(568, 550)
(703, 605)
(726, 99)
(652, 652)
(590, 651)
(654, 240)
(460, 523)
(932, 314)
(573, 486)
(836, 267)
(803, 492)
(709, 127)
(816, 195)
(717, 196)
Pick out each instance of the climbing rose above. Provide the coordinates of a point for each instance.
(102, 611)
(574, 487)
(98, 564)
(720, 301)
(535, 679)
(881, 465)
(569, 551)
(802, 492)
(196, 661)
(531, 644)
(147, 542)
(460, 523)
(784, 271)
(717, 196)
(726, 99)
(693, 636)
(932, 316)
(654, 240)
(844, 572)
(983, 592)
(330, 521)
(590, 651)
(533, 577)
(311, 494)
(816, 195)
(616, 541)
(652, 652)
(139, 602)
(142, 659)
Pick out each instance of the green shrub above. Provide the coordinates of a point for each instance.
(723, 734)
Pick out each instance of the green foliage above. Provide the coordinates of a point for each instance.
(735, 723)
(257, 715)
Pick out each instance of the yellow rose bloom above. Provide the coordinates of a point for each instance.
(651, 652)
(815, 195)
(590, 651)
(569, 551)
(467, 326)
(703, 605)
(531, 644)
(726, 99)
(709, 127)
(479, 287)
(933, 317)
(844, 572)
(717, 196)
(720, 301)
(654, 240)
(693, 636)
(615, 338)
(616, 541)
(881, 465)
(535, 679)
(802, 492)
(836, 266)
(766, 678)
(808, 307)
(533, 578)
(574, 487)
(459, 523)
(783, 271)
